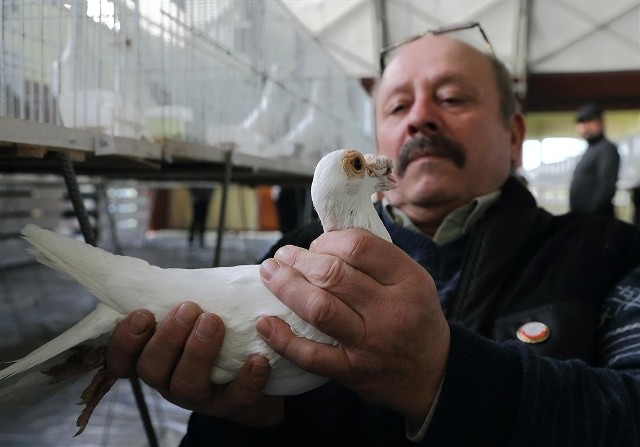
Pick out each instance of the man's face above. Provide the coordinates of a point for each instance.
(438, 117)
(589, 129)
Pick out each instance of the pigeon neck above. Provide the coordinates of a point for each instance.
(354, 212)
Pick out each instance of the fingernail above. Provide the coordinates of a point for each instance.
(138, 323)
(269, 268)
(282, 252)
(186, 315)
(258, 370)
(206, 327)
(264, 328)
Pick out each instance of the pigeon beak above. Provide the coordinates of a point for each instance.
(386, 182)
(381, 168)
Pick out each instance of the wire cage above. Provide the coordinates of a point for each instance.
(207, 71)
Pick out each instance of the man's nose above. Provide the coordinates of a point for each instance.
(426, 128)
(423, 120)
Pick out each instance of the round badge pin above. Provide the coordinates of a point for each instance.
(533, 332)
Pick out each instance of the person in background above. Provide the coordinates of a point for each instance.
(200, 198)
(635, 199)
(290, 207)
(593, 184)
(487, 322)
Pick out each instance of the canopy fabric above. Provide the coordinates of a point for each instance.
(531, 37)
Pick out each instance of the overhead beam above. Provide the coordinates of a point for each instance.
(566, 91)
(522, 48)
(381, 23)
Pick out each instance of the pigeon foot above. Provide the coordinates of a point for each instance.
(83, 360)
(92, 395)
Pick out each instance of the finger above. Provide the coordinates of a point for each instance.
(318, 358)
(313, 304)
(236, 398)
(128, 341)
(367, 253)
(332, 274)
(242, 400)
(161, 354)
(191, 379)
(247, 388)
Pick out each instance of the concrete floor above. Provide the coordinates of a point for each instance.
(37, 303)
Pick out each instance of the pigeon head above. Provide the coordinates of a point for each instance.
(343, 183)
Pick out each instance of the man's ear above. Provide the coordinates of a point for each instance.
(518, 129)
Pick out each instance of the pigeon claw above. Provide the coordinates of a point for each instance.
(92, 395)
(83, 360)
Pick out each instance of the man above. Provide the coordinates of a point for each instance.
(521, 291)
(594, 179)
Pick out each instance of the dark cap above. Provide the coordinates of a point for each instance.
(589, 111)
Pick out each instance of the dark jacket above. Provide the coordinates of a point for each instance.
(594, 178)
(520, 264)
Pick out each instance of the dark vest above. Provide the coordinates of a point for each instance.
(523, 264)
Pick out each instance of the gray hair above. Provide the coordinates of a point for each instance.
(504, 83)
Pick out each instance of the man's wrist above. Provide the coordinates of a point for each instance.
(415, 430)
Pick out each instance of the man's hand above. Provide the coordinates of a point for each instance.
(177, 357)
(380, 305)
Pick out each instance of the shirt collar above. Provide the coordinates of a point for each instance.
(456, 223)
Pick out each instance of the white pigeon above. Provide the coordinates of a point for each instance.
(342, 186)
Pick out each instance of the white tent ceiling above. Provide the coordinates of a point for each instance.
(543, 36)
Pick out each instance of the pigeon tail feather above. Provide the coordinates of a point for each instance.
(102, 319)
(88, 265)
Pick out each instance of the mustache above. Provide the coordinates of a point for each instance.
(430, 145)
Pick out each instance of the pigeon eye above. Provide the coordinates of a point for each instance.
(354, 164)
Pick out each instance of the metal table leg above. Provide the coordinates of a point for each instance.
(71, 181)
(223, 207)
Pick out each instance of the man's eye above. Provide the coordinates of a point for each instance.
(452, 100)
(397, 108)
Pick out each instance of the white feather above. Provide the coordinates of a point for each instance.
(236, 294)
(345, 202)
